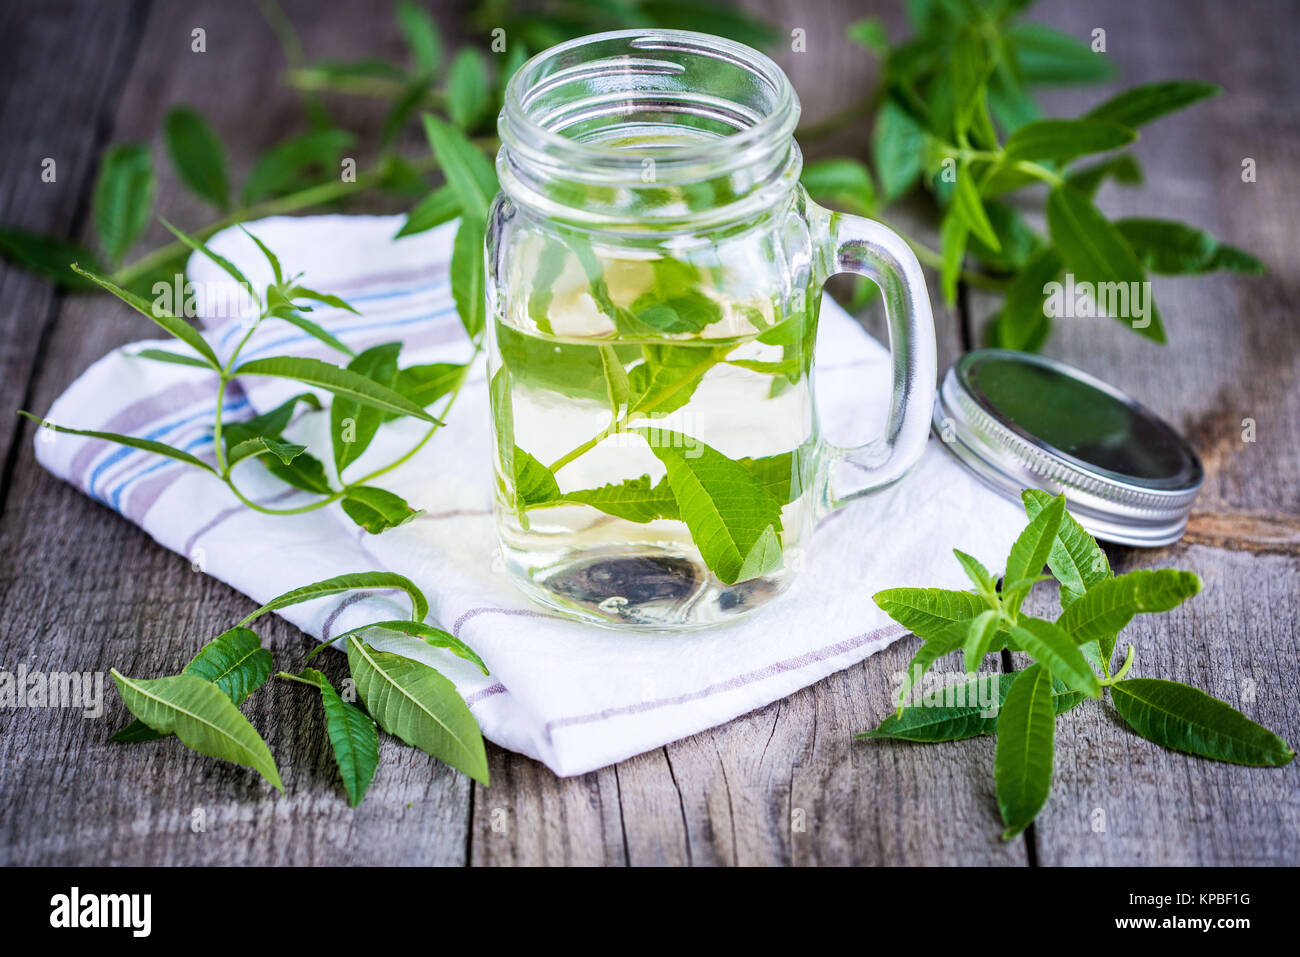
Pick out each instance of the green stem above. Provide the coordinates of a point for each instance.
(1124, 668)
(587, 446)
(1039, 171)
(217, 444)
(298, 678)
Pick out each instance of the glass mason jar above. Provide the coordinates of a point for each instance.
(654, 275)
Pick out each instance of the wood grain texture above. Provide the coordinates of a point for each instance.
(66, 122)
(81, 589)
(1233, 353)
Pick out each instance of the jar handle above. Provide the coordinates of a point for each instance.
(852, 244)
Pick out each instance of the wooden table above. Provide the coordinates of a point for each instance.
(81, 589)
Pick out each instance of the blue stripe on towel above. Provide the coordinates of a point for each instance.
(123, 452)
(365, 297)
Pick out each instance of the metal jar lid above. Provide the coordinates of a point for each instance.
(1024, 421)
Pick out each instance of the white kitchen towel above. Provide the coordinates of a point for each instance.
(574, 696)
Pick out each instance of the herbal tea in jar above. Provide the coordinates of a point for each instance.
(654, 273)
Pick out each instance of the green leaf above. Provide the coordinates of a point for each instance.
(503, 422)
(313, 329)
(421, 35)
(1022, 763)
(669, 377)
(1122, 168)
(468, 91)
(305, 472)
(959, 713)
(965, 718)
(674, 303)
(869, 33)
(534, 483)
(980, 638)
(403, 108)
(381, 636)
(353, 424)
(269, 424)
(1047, 56)
(927, 612)
(174, 358)
(199, 246)
(1023, 322)
(234, 661)
(201, 715)
(1057, 651)
(1232, 259)
(946, 640)
(470, 176)
(966, 201)
(1108, 606)
(147, 445)
(271, 258)
(376, 509)
(977, 573)
(1017, 243)
(1093, 249)
(287, 164)
(286, 452)
(123, 198)
(635, 500)
(781, 474)
(437, 208)
(968, 69)
(426, 384)
(1009, 102)
(197, 154)
(1062, 140)
(356, 581)
(179, 328)
(1032, 547)
(420, 706)
(1182, 718)
(342, 382)
(302, 292)
(48, 257)
(952, 249)
(898, 144)
(1076, 559)
(841, 181)
(352, 736)
(468, 283)
(617, 385)
(1142, 104)
(1173, 249)
(731, 517)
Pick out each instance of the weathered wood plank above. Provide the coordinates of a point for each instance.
(83, 590)
(63, 121)
(1234, 353)
(1119, 799)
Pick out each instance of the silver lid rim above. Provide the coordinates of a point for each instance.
(1109, 506)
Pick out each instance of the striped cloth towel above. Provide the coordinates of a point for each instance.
(573, 696)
